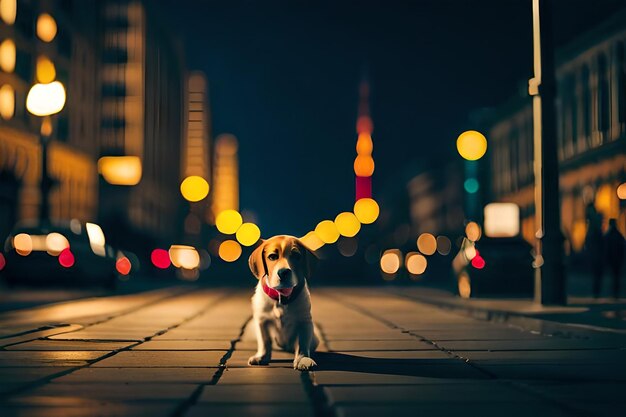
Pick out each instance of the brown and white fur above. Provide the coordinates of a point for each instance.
(283, 263)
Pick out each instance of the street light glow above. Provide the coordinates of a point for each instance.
(390, 262)
(120, 170)
(46, 99)
(327, 232)
(347, 224)
(228, 221)
(229, 251)
(415, 263)
(46, 27)
(472, 145)
(248, 234)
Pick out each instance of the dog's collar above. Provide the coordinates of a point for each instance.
(277, 296)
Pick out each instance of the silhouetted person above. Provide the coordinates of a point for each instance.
(614, 247)
(594, 243)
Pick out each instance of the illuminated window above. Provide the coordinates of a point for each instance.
(8, 11)
(46, 27)
(46, 73)
(7, 102)
(7, 55)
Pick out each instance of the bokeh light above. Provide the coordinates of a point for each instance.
(364, 166)
(160, 258)
(471, 185)
(427, 244)
(46, 72)
(248, 234)
(46, 99)
(194, 188)
(120, 170)
(123, 265)
(66, 258)
(347, 224)
(478, 261)
(8, 11)
(311, 241)
(473, 231)
(46, 27)
(183, 256)
(364, 144)
(8, 55)
(348, 246)
(229, 251)
(415, 263)
(327, 232)
(444, 245)
(228, 221)
(23, 244)
(465, 288)
(366, 210)
(3, 261)
(390, 261)
(55, 243)
(471, 145)
(7, 102)
(621, 191)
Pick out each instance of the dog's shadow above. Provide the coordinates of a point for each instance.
(428, 368)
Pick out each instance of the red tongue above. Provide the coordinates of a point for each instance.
(285, 291)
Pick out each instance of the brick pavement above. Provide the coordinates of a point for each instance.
(184, 353)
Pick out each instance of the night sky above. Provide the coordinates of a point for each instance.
(284, 79)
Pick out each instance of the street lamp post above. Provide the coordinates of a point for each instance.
(549, 273)
(44, 100)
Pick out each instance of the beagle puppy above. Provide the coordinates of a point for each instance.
(281, 304)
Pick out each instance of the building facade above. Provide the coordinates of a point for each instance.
(591, 135)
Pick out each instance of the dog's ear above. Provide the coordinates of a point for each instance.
(310, 260)
(255, 261)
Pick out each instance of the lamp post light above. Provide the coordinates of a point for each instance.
(45, 100)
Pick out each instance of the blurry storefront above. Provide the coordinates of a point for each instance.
(591, 111)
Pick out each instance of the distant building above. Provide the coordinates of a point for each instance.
(143, 104)
(591, 110)
(41, 41)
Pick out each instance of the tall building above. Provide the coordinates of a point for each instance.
(42, 41)
(591, 137)
(143, 102)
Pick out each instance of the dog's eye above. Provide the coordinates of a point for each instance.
(296, 255)
(272, 257)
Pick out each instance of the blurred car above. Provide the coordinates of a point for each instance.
(495, 266)
(72, 253)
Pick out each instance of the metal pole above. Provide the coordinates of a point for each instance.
(550, 276)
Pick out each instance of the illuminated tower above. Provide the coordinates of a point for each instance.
(364, 163)
(225, 175)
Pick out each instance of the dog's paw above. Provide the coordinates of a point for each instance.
(258, 360)
(304, 363)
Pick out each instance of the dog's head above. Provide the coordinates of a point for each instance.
(284, 260)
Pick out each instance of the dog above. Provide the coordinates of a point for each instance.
(281, 304)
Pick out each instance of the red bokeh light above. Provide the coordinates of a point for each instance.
(123, 265)
(3, 262)
(66, 258)
(478, 262)
(160, 258)
(363, 187)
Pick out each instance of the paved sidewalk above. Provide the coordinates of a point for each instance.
(184, 353)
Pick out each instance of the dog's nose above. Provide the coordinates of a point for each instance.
(284, 273)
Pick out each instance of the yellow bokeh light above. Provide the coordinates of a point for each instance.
(427, 244)
(8, 11)
(327, 231)
(23, 244)
(7, 102)
(311, 241)
(228, 221)
(7, 55)
(621, 191)
(46, 99)
(347, 224)
(415, 263)
(120, 170)
(46, 27)
(364, 166)
(366, 210)
(229, 251)
(194, 188)
(473, 231)
(390, 261)
(364, 144)
(46, 72)
(471, 145)
(248, 234)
